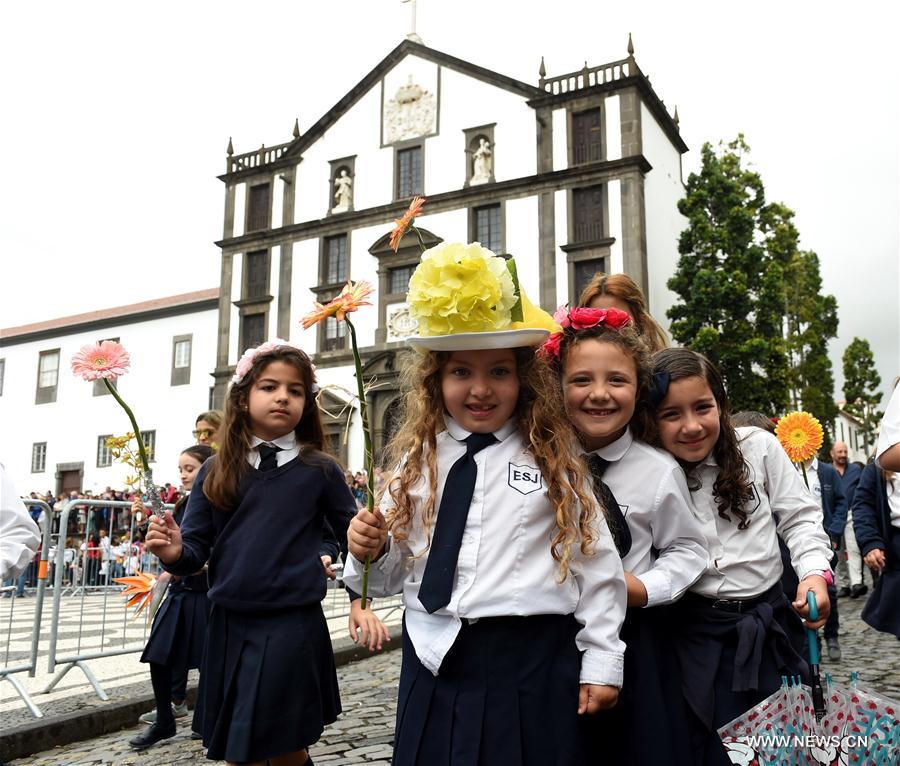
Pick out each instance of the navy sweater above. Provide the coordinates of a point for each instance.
(265, 553)
(872, 514)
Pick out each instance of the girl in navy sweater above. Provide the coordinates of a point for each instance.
(256, 515)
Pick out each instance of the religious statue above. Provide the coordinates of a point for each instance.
(482, 163)
(343, 194)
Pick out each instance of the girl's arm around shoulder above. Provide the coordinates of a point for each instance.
(197, 530)
(866, 526)
(677, 536)
(600, 609)
(800, 521)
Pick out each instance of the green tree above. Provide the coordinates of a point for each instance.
(812, 321)
(731, 289)
(861, 382)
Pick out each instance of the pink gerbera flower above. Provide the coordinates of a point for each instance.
(106, 359)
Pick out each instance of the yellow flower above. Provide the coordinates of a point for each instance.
(800, 434)
(460, 288)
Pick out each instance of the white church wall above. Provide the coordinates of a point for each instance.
(71, 425)
(274, 282)
(614, 198)
(522, 242)
(240, 207)
(663, 188)
(234, 339)
(560, 206)
(613, 127)
(560, 140)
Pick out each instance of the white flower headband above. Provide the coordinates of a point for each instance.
(245, 363)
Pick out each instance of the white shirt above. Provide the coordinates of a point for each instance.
(889, 434)
(812, 476)
(745, 563)
(892, 487)
(19, 535)
(668, 549)
(505, 567)
(289, 449)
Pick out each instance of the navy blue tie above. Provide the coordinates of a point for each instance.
(267, 457)
(440, 569)
(614, 517)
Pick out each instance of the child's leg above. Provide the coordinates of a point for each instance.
(161, 679)
(179, 684)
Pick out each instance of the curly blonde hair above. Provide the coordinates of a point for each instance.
(545, 429)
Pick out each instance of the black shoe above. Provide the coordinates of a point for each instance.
(844, 592)
(859, 590)
(196, 735)
(155, 733)
(834, 649)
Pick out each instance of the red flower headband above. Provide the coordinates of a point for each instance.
(582, 319)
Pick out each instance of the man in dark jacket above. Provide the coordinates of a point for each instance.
(849, 473)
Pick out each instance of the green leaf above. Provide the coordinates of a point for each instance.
(515, 314)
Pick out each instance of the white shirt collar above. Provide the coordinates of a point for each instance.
(459, 433)
(286, 442)
(616, 450)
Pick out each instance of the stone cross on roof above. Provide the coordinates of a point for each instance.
(412, 22)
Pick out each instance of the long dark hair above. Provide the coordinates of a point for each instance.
(230, 466)
(732, 487)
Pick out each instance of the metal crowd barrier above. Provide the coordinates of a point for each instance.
(102, 626)
(94, 591)
(8, 670)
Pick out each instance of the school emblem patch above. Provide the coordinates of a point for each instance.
(525, 478)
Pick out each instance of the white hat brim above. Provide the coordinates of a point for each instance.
(476, 341)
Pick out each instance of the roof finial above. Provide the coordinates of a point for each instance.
(296, 132)
(411, 35)
(542, 71)
(630, 45)
(675, 116)
(230, 149)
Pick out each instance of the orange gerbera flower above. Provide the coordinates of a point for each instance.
(402, 225)
(138, 590)
(800, 434)
(350, 299)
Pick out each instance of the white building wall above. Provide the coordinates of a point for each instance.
(614, 197)
(663, 188)
(72, 424)
(240, 209)
(560, 206)
(613, 127)
(560, 140)
(522, 242)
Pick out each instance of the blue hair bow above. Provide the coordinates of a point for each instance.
(659, 387)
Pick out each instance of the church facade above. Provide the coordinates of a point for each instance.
(575, 174)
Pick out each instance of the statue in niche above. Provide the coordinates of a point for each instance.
(482, 163)
(343, 194)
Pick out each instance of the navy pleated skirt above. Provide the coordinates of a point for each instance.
(651, 700)
(268, 685)
(506, 693)
(178, 636)
(882, 610)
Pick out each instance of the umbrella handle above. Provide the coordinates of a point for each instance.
(811, 634)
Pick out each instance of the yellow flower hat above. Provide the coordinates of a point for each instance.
(464, 297)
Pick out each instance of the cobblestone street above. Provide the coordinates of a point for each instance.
(364, 733)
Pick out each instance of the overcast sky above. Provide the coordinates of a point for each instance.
(117, 116)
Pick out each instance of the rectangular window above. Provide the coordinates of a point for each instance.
(409, 172)
(586, 136)
(2, 374)
(258, 208)
(149, 439)
(253, 330)
(104, 456)
(488, 227)
(38, 457)
(181, 360)
(48, 376)
(335, 266)
(584, 272)
(335, 335)
(587, 209)
(256, 284)
(399, 279)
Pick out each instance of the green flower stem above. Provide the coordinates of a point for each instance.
(155, 500)
(137, 433)
(367, 436)
(419, 235)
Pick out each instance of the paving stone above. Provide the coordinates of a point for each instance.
(364, 732)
